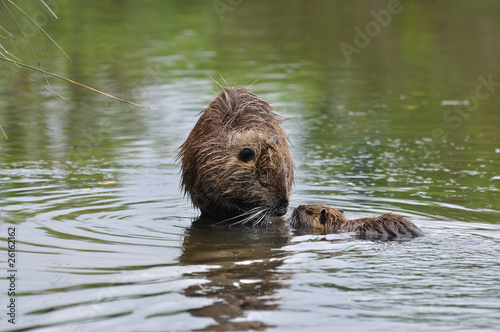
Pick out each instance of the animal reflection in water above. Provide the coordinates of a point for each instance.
(243, 272)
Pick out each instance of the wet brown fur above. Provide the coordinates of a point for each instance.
(327, 219)
(218, 181)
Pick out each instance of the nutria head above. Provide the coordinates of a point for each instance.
(236, 161)
(317, 217)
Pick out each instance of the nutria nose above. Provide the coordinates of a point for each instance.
(282, 207)
(281, 211)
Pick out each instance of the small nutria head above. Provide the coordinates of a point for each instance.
(317, 217)
(236, 162)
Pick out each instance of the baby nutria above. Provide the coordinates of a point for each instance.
(327, 219)
(236, 162)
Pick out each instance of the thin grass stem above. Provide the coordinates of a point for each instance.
(37, 25)
(76, 83)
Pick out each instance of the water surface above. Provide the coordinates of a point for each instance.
(106, 240)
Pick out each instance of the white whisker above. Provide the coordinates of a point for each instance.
(251, 211)
(256, 214)
(294, 221)
(263, 219)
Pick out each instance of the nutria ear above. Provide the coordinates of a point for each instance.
(246, 155)
(341, 211)
(322, 217)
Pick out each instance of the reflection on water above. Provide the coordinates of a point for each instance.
(394, 286)
(244, 280)
(106, 240)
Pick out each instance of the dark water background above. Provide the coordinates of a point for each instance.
(407, 122)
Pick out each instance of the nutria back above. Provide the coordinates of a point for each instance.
(327, 219)
(236, 162)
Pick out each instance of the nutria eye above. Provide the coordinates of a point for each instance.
(322, 217)
(246, 155)
(276, 139)
(262, 183)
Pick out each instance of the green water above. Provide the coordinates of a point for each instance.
(401, 117)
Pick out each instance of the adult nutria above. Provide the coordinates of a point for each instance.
(327, 219)
(236, 163)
